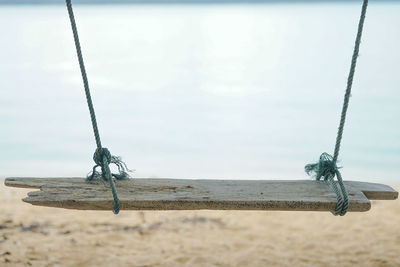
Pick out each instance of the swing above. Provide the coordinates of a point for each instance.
(322, 194)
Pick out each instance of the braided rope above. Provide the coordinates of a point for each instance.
(83, 72)
(109, 177)
(350, 80)
(326, 167)
(102, 156)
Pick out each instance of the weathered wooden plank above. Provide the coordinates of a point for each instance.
(188, 194)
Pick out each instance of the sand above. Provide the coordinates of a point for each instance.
(39, 236)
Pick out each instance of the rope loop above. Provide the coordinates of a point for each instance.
(327, 169)
(103, 158)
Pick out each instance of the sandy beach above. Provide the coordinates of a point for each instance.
(37, 236)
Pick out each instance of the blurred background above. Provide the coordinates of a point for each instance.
(198, 89)
(194, 89)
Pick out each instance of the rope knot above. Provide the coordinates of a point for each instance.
(325, 167)
(103, 158)
(98, 158)
(100, 153)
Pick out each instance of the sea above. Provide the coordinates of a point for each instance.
(207, 91)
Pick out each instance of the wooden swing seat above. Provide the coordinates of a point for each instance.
(189, 194)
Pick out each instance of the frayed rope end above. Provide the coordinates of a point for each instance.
(325, 167)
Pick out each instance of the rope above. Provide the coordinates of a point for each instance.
(326, 167)
(350, 80)
(102, 156)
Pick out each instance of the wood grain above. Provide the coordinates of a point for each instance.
(190, 194)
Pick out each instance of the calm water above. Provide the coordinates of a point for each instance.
(219, 91)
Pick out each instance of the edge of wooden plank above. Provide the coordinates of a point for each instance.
(33, 182)
(375, 191)
(189, 205)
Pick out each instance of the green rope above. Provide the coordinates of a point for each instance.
(102, 156)
(326, 167)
